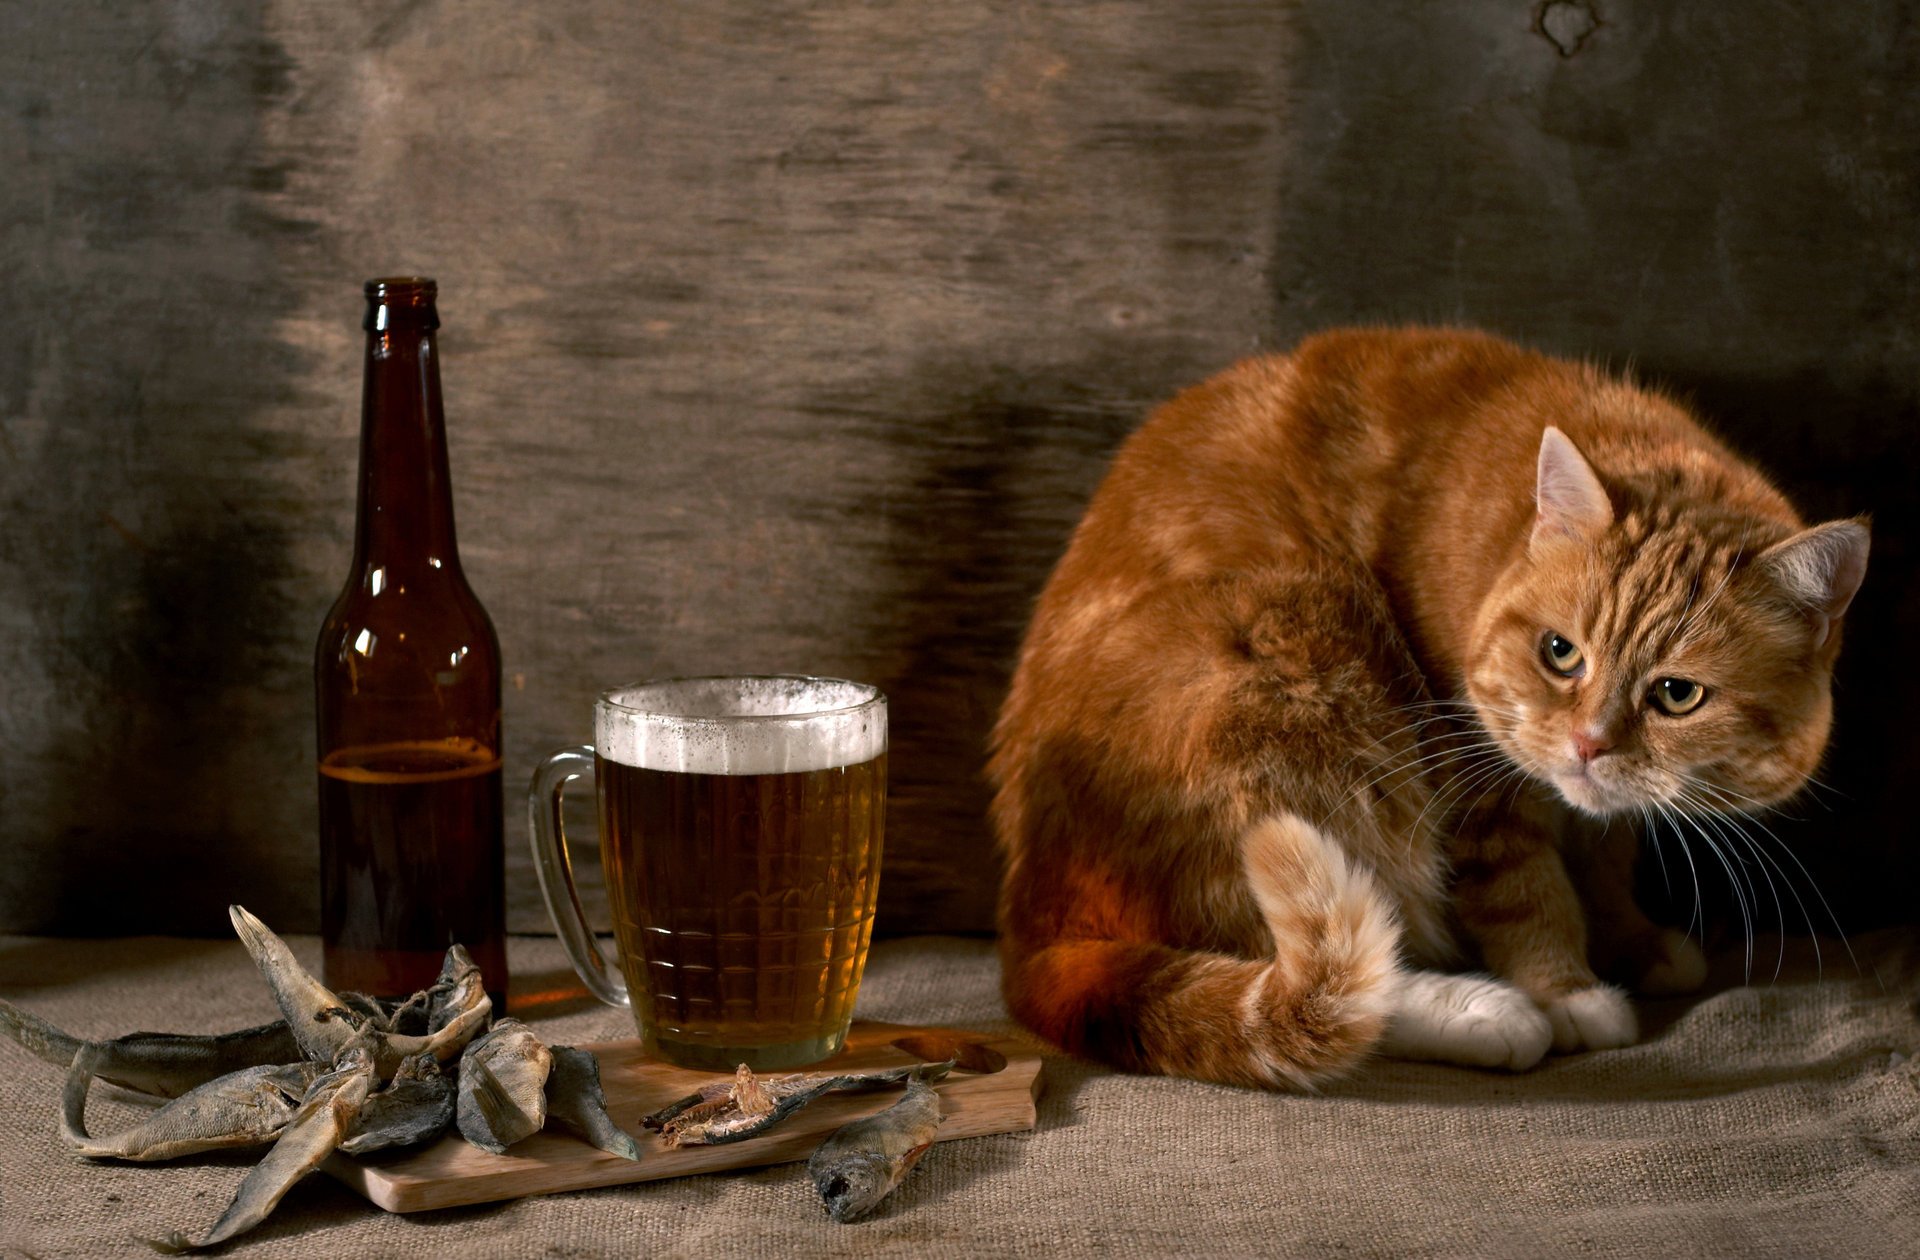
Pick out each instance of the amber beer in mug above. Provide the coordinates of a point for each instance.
(741, 823)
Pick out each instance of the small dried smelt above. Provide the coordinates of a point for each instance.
(245, 1108)
(416, 1107)
(457, 993)
(577, 1103)
(733, 1111)
(165, 1065)
(856, 1168)
(503, 1078)
(316, 1130)
(325, 1026)
(321, 1022)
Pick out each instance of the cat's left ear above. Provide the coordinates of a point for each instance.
(1820, 569)
(1570, 502)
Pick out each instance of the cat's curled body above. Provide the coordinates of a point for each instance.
(1347, 645)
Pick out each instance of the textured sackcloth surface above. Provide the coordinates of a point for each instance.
(1776, 1119)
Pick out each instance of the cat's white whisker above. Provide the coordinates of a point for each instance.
(1723, 826)
(1686, 851)
(1475, 750)
(1767, 862)
(1652, 833)
(1474, 757)
(1806, 874)
(1733, 878)
(1467, 783)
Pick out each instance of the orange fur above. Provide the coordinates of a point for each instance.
(1223, 788)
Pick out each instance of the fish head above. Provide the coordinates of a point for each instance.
(458, 965)
(457, 994)
(356, 1057)
(854, 1183)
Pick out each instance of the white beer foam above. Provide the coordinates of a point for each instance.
(772, 725)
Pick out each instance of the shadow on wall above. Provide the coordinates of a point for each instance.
(151, 559)
(1723, 194)
(1840, 452)
(177, 643)
(998, 467)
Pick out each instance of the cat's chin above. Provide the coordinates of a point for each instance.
(1590, 797)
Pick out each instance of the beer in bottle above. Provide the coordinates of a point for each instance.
(407, 681)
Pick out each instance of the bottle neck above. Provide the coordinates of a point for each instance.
(405, 518)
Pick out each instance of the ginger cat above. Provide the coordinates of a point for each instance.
(1345, 648)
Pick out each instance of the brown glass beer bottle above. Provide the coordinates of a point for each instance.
(407, 682)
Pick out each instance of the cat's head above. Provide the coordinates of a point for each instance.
(1657, 651)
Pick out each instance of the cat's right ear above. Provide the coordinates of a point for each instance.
(1570, 503)
(1820, 569)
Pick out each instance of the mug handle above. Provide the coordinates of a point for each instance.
(555, 868)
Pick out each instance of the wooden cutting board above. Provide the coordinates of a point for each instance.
(996, 1096)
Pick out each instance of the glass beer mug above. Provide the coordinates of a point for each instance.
(741, 822)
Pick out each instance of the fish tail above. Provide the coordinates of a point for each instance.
(37, 1035)
(1304, 1016)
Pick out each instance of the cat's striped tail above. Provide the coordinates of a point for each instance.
(1306, 1015)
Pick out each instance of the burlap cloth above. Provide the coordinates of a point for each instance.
(1777, 1119)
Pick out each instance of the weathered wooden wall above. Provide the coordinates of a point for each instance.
(793, 336)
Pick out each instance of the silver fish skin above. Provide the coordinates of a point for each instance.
(459, 989)
(316, 1130)
(326, 1027)
(321, 1021)
(245, 1108)
(165, 1065)
(577, 1103)
(749, 1106)
(417, 1106)
(862, 1162)
(503, 1078)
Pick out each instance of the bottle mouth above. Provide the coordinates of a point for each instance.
(400, 298)
(408, 290)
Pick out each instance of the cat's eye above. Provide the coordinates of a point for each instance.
(1677, 695)
(1561, 656)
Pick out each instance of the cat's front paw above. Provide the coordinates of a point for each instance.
(1599, 1018)
(1680, 967)
(1469, 1020)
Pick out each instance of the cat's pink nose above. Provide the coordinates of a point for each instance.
(1590, 743)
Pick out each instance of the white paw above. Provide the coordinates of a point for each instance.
(1469, 1020)
(1682, 969)
(1599, 1018)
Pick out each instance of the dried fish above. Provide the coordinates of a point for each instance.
(577, 1103)
(459, 990)
(503, 1078)
(732, 1111)
(245, 1108)
(856, 1168)
(325, 1026)
(416, 1107)
(165, 1065)
(325, 1115)
(321, 1022)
